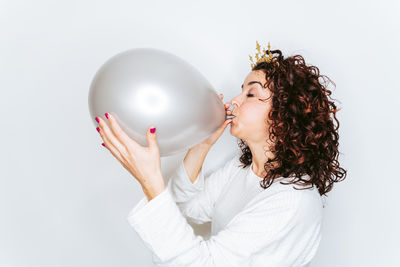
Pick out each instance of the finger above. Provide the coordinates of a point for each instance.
(109, 145)
(118, 156)
(151, 137)
(114, 152)
(223, 126)
(124, 164)
(109, 138)
(120, 134)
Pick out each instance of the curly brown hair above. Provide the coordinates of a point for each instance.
(304, 138)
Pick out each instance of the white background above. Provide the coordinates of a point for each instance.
(64, 198)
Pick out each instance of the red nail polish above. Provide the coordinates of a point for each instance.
(152, 130)
(103, 144)
(97, 119)
(98, 129)
(106, 115)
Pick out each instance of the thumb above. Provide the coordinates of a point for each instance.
(151, 136)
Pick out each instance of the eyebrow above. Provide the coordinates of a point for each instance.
(252, 82)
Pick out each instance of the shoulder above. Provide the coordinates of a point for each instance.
(305, 201)
(300, 205)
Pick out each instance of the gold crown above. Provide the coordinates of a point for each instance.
(263, 58)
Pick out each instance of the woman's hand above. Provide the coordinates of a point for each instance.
(142, 162)
(214, 137)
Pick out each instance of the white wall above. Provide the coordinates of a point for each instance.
(64, 198)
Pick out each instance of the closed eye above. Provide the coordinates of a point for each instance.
(249, 95)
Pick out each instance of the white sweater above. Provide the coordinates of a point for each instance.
(278, 226)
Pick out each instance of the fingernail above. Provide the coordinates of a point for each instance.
(97, 119)
(106, 115)
(152, 130)
(103, 144)
(98, 129)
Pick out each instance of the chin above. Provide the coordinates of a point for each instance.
(232, 131)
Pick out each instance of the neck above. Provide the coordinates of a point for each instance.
(260, 154)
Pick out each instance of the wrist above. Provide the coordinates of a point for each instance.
(153, 191)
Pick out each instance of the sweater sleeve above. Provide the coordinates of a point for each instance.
(261, 226)
(196, 200)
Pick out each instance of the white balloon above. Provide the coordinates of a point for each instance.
(145, 86)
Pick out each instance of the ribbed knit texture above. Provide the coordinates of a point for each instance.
(278, 226)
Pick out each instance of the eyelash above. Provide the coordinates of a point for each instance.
(249, 94)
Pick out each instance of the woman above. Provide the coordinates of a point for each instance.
(266, 212)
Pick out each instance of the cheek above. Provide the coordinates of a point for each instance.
(253, 115)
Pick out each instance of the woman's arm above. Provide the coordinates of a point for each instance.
(194, 160)
(284, 227)
(195, 156)
(196, 199)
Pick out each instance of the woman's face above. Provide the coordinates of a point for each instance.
(250, 108)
